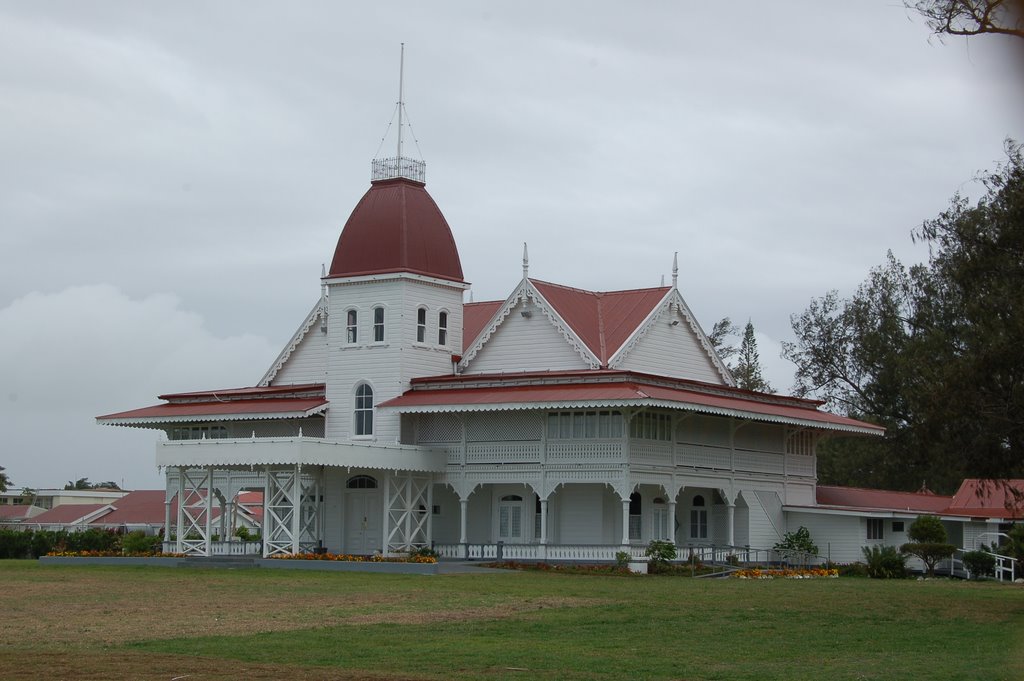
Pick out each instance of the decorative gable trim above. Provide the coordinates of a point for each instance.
(527, 292)
(672, 299)
(311, 319)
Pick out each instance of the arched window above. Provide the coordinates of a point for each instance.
(364, 410)
(661, 522)
(421, 325)
(361, 482)
(442, 328)
(378, 325)
(698, 519)
(351, 327)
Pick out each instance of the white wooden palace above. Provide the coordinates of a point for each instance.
(560, 423)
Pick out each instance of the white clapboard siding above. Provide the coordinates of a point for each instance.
(308, 361)
(765, 519)
(580, 516)
(387, 367)
(668, 350)
(837, 536)
(526, 344)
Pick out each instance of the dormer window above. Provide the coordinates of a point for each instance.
(421, 325)
(378, 325)
(351, 327)
(442, 328)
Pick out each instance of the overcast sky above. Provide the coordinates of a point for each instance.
(172, 175)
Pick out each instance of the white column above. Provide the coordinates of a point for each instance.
(209, 511)
(430, 511)
(167, 520)
(296, 508)
(543, 521)
(463, 503)
(731, 516)
(181, 510)
(625, 522)
(672, 521)
(385, 530)
(268, 523)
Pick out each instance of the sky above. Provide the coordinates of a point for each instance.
(173, 175)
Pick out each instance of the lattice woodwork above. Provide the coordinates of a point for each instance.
(503, 426)
(439, 428)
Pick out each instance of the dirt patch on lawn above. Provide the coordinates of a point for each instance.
(88, 610)
(109, 666)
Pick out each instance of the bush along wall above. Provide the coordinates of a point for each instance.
(35, 543)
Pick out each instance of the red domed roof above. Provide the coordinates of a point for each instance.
(396, 227)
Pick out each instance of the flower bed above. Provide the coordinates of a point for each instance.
(808, 573)
(111, 554)
(415, 558)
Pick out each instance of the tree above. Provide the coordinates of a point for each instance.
(747, 370)
(5, 481)
(722, 330)
(930, 352)
(928, 542)
(971, 17)
(83, 484)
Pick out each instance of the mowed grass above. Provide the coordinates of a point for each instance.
(197, 624)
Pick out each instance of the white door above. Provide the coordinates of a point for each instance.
(510, 519)
(362, 522)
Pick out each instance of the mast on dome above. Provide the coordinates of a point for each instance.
(400, 165)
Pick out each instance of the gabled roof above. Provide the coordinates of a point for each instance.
(602, 320)
(989, 499)
(18, 512)
(611, 389)
(314, 314)
(880, 499)
(141, 507)
(68, 514)
(475, 317)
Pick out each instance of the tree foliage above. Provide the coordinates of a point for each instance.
(931, 352)
(928, 542)
(971, 17)
(746, 369)
(5, 481)
(84, 484)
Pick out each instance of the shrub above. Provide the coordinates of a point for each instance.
(799, 541)
(660, 553)
(15, 543)
(885, 562)
(622, 559)
(424, 552)
(93, 539)
(244, 534)
(927, 529)
(135, 543)
(979, 563)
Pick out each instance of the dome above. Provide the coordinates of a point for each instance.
(396, 227)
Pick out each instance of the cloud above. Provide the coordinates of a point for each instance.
(69, 356)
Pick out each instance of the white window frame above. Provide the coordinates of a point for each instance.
(351, 326)
(379, 325)
(361, 412)
(421, 324)
(698, 518)
(442, 328)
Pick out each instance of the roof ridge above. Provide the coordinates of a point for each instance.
(599, 293)
(603, 355)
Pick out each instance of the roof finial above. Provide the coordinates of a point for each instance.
(675, 269)
(470, 295)
(526, 262)
(401, 104)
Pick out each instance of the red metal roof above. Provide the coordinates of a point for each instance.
(396, 227)
(989, 499)
(16, 511)
(602, 320)
(257, 391)
(292, 407)
(619, 392)
(475, 317)
(879, 499)
(141, 507)
(65, 514)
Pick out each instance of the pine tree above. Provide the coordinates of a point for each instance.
(747, 370)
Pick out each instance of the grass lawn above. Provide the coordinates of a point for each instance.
(196, 624)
